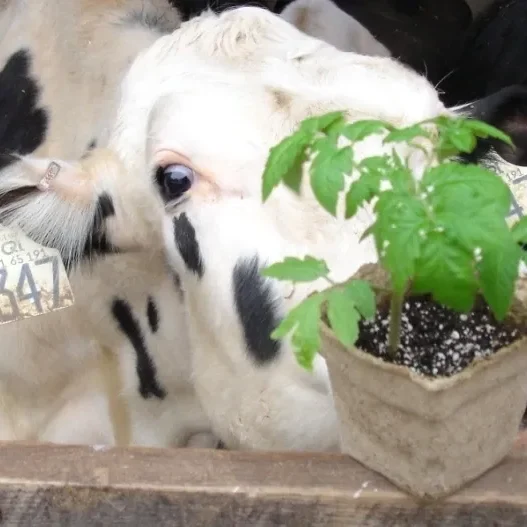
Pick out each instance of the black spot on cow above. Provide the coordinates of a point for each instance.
(191, 8)
(145, 367)
(7, 160)
(23, 123)
(152, 315)
(105, 205)
(493, 55)
(185, 238)
(253, 296)
(505, 109)
(97, 244)
(281, 5)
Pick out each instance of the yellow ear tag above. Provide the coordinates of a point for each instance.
(33, 279)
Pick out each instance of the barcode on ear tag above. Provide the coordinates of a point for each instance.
(33, 280)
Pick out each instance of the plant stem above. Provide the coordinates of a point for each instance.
(396, 312)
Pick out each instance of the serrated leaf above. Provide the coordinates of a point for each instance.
(445, 149)
(359, 130)
(327, 175)
(474, 226)
(297, 270)
(372, 171)
(450, 183)
(376, 165)
(303, 322)
(343, 317)
(401, 180)
(401, 222)
(446, 270)
(359, 193)
(293, 178)
(464, 140)
(406, 134)
(498, 270)
(320, 123)
(334, 130)
(285, 158)
(485, 130)
(519, 230)
(363, 297)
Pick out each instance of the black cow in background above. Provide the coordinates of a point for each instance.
(493, 54)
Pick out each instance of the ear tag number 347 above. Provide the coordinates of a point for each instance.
(33, 280)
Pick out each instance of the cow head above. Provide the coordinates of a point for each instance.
(200, 110)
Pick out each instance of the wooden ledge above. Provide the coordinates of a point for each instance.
(54, 485)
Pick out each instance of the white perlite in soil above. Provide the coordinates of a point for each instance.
(436, 341)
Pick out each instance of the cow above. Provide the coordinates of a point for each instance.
(115, 368)
(493, 54)
(180, 179)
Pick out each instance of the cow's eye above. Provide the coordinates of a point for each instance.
(174, 180)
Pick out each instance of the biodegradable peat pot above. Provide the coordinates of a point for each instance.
(428, 436)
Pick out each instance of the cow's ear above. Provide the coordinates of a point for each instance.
(506, 110)
(55, 202)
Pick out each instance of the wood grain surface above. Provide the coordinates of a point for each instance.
(54, 485)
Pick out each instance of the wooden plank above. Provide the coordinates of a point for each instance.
(71, 485)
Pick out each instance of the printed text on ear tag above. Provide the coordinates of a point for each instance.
(33, 280)
(516, 177)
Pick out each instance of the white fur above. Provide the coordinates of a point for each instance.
(221, 91)
(70, 377)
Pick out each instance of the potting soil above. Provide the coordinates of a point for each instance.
(437, 341)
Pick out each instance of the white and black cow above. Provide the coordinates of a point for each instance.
(116, 367)
(180, 177)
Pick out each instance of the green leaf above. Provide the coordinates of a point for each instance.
(320, 123)
(359, 130)
(372, 171)
(485, 130)
(303, 322)
(327, 174)
(402, 180)
(358, 193)
(446, 270)
(343, 316)
(363, 296)
(293, 178)
(519, 230)
(445, 149)
(406, 134)
(285, 161)
(334, 130)
(297, 270)
(498, 271)
(464, 140)
(474, 227)
(450, 183)
(402, 221)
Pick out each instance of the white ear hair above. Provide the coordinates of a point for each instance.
(54, 202)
